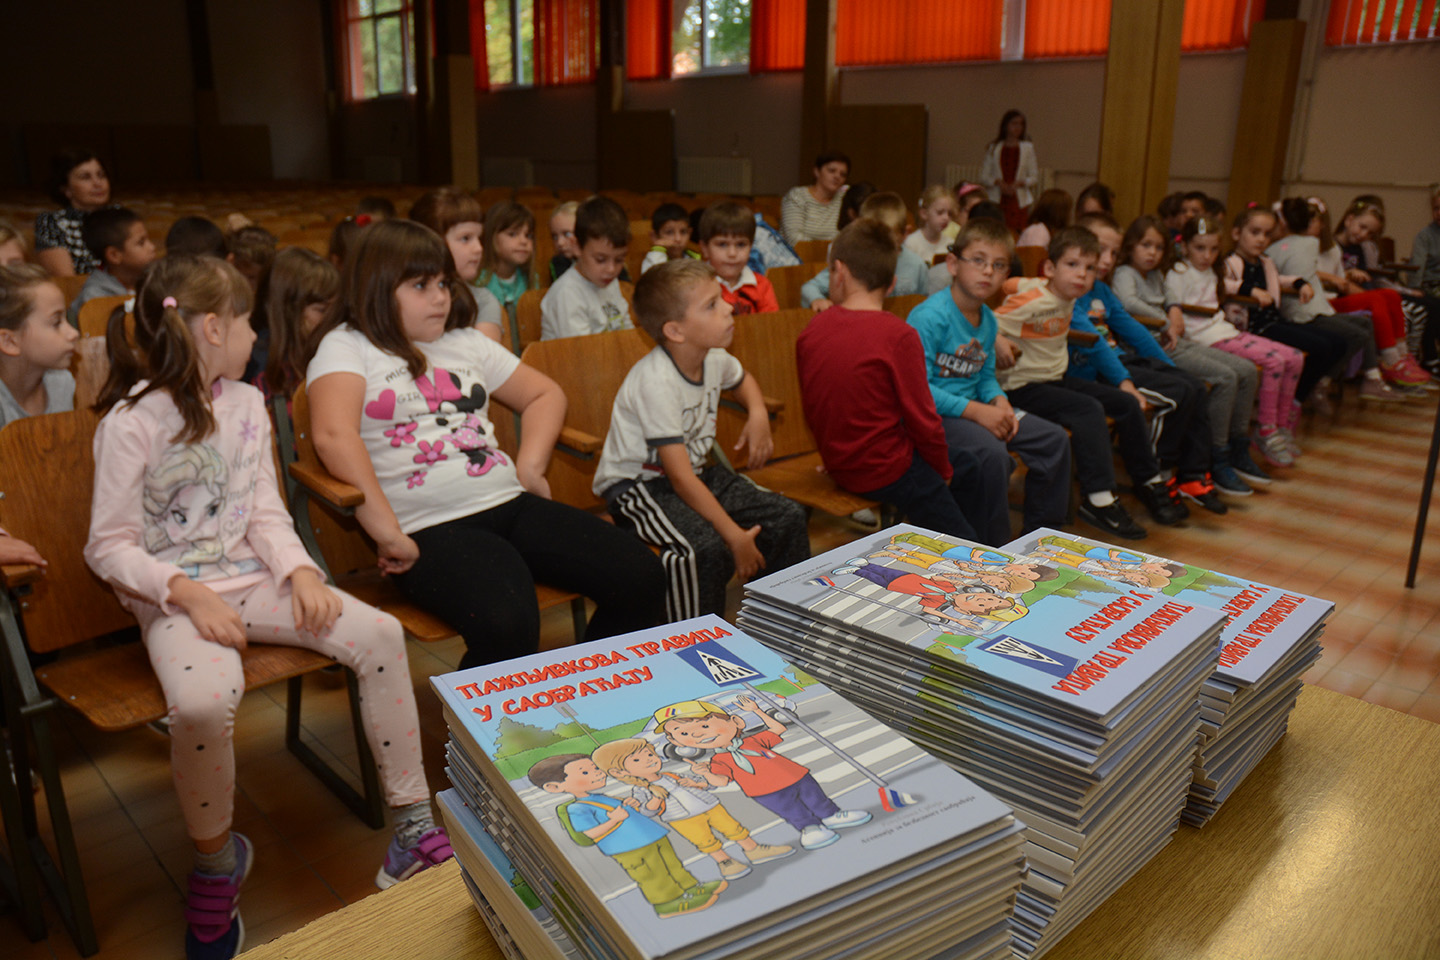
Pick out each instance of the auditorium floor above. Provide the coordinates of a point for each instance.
(1338, 526)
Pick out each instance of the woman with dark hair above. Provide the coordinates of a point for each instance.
(810, 213)
(79, 184)
(1009, 172)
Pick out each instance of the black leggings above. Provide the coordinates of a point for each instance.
(478, 574)
(1324, 349)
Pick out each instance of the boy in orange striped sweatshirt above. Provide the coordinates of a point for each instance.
(1037, 315)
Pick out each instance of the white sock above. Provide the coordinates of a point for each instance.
(1390, 356)
(1158, 478)
(1372, 374)
(1102, 498)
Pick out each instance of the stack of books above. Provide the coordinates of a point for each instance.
(1071, 697)
(1271, 639)
(685, 792)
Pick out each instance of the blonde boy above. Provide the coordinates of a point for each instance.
(655, 472)
(910, 271)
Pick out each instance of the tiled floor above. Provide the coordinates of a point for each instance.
(1339, 526)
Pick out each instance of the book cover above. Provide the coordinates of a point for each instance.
(1264, 622)
(1047, 630)
(700, 788)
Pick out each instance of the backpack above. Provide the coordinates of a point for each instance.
(563, 811)
(770, 249)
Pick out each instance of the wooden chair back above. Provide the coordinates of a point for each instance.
(70, 286)
(787, 282)
(47, 474)
(95, 315)
(812, 251)
(901, 306)
(527, 317)
(639, 246)
(1030, 259)
(765, 346)
(590, 371)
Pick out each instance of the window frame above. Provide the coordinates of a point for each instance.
(513, 8)
(354, 23)
(706, 69)
(1337, 22)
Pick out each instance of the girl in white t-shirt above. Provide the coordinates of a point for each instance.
(937, 209)
(400, 387)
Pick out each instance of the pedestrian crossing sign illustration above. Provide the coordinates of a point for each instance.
(719, 665)
(1030, 654)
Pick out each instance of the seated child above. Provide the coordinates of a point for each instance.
(251, 250)
(669, 235)
(456, 215)
(298, 290)
(376, 208)
(1038, 315)
(1425, 253)
(1172, 218)
(117, 239)
(655, 472)
(862, 384)
(562, 234)
(507, 260)
(588, 298)
(1049, 215)
(12, 244)
(36, 344)
(1179, 419)
(344, 238)
(196, 237)
(957, 333)
(727, 229)
(938, 208)
(910, 270)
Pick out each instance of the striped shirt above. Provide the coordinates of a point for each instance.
(802, 217)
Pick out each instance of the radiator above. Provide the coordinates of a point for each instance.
(955, 172)
(713, 175)
(507, 172)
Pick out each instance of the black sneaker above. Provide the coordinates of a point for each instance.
(1243, 464)
(1156, 499)
(1112, 519)
(1203, 493)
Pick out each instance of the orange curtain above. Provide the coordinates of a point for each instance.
(565, 35)
(777, 35)
(917, 31)
(1357, 21)
(1219, 24)
(349, 35)
(1066, 28)
(477, 45)
(647, 39)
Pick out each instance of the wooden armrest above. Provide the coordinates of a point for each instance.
(1154, 323)
(1197, 310)
(319, 481)
(1243, 301)
(19, 574)
(1399, 267)
(578, 443)
(772, 406)
(1333, 288)
(1082, 338)
(1390, 273)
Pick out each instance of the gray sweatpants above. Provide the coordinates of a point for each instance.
(1232, 380)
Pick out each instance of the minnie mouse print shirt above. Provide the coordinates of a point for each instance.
(430, 437)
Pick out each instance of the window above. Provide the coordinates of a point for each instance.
(710, 35)
(380, 47)
(1081, 28)
(509, 42)
(1354, 22)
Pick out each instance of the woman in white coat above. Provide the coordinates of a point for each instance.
(1010, 172)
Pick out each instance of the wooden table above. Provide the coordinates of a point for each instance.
(1331, 848)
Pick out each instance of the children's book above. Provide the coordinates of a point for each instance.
(698, 796)
(1034, 628)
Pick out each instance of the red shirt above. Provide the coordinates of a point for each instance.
(757, 297)
(863, 386)
(772, 771)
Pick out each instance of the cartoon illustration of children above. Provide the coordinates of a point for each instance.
(973, 557)
(976, 609)
(639, 845)
(183, 500)
(684, 804)
(966, 574)
(1110, 563)
(777, 783)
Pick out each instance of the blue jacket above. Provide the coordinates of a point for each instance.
(959, 358)
(1099, 360)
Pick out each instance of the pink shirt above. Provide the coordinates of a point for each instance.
(209, 510)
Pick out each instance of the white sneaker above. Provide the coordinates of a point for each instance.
(846, 818)
(816, 836)
(868, 517)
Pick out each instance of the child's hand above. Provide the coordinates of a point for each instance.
(820, 303)
(1358, 276)
(533, 480)
(214, 619)
(1129, 387)
(13, 550)
(1262, 296)
(620, 813)
(1175, 331)
(700, 766)
(632, 802)
(748, 559)
(1307, 293)
(397, 555)
(756, 437)
(692, 782)
(1004, 354)
(314, 604)
(748, 703)
(998, 422)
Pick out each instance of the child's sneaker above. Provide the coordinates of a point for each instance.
(1401, 373)
(1203, 493)
(1157, 500)
(1244, 465)
(694, 900)
(1291, 443)
(212, 909)
(1225, 478)
(1378, 390)
(732, 869)
(401, 863)
(1110, 519)
(1272, 447)
(846, 818)
(1418, 374)
(816, 836)
(765, 852)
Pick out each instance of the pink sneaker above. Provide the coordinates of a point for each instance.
(401, 863)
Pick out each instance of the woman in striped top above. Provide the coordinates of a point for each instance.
(811, 213)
